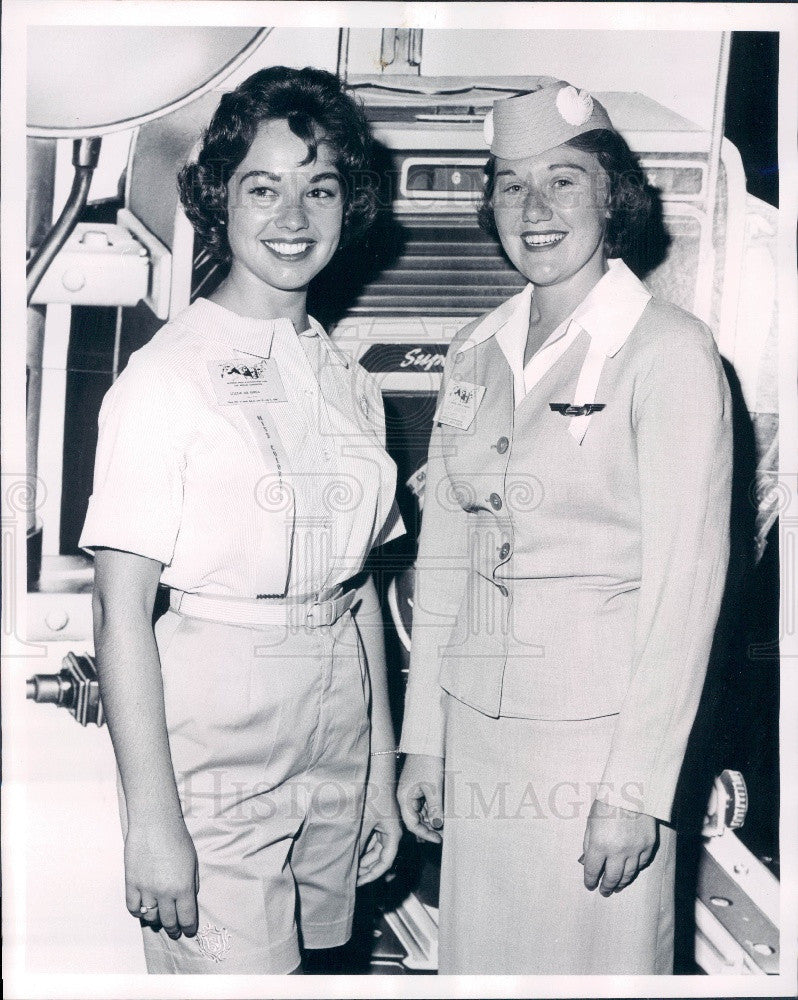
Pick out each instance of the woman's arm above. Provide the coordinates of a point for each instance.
(382, 829)
(160, 861)
(683, 432)
(441, 578)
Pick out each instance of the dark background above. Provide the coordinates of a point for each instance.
(752, 109)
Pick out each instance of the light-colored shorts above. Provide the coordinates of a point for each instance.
(512, 898)
(268, 730)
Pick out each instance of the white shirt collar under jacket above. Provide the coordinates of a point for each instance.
(608, 315)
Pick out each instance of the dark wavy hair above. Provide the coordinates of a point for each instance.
(317, 109)
(631, 198)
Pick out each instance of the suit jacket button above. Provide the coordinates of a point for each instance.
(503, 590)
(502, 445)
(504, 551)
(495, 501)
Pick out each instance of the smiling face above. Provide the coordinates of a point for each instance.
(283, 216)
(551, 215)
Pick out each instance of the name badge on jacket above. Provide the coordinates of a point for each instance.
(246, 381)
(460, 404)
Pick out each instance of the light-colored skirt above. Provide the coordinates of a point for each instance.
(512, 898)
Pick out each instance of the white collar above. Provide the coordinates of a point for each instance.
(335, 352)
(612, 308)
(514, 308)
(608, 313)
(249, 334)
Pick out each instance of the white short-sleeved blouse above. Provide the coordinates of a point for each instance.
(284, 493)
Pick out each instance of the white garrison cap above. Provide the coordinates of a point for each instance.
(545, 118)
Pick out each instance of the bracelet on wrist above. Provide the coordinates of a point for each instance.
(383, 753)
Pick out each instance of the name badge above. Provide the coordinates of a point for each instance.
(460, 404)
(246, 381)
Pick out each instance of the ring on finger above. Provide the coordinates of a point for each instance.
(147, 909)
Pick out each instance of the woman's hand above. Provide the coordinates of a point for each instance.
(382, 828)
(618, 843)
(420, 796)
(160, 861)
(161, 875)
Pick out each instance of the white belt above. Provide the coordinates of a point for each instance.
(262, 611)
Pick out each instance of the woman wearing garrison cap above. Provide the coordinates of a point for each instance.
(571, 565)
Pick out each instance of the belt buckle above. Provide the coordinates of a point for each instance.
(319, 613)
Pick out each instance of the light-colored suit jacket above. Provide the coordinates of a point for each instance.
(560, 578)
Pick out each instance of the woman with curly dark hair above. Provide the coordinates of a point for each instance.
(241, 464)
(570, 570)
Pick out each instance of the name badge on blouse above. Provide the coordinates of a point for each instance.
(246, 381)
(460, 404)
